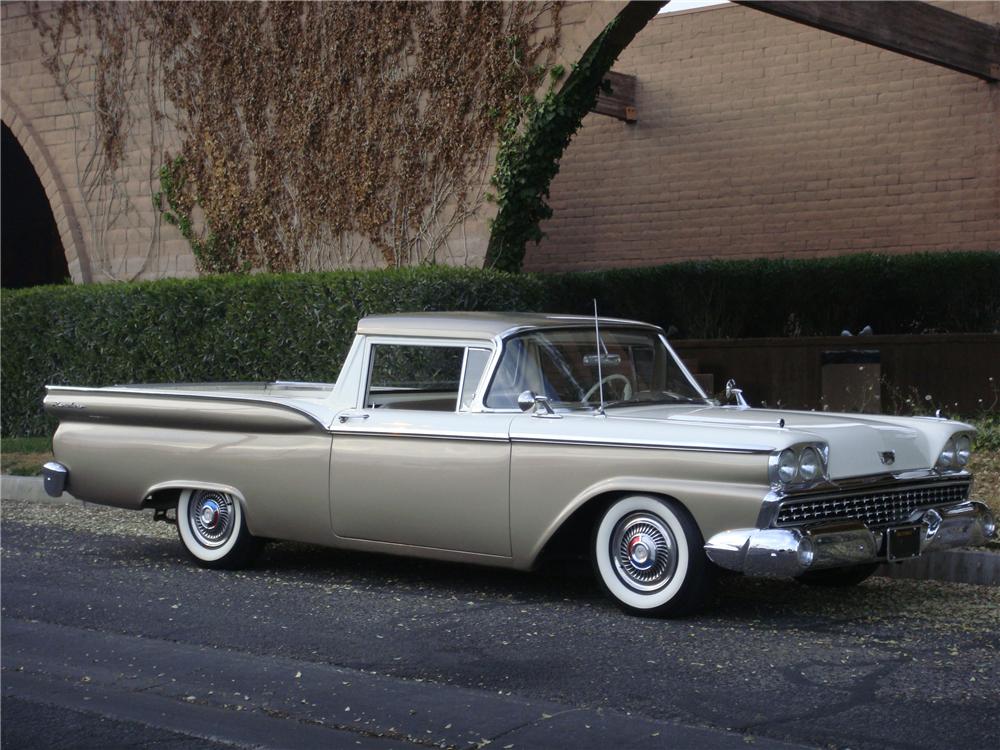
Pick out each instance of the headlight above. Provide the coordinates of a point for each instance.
(787, 465)
(963, 449)
(801, 464)
(947, 458)
(809, 464)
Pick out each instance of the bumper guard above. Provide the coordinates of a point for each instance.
(54, 476)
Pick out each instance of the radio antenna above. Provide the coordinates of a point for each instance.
(600, 374)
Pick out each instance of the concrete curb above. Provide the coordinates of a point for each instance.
(26, 488)
(976, 566)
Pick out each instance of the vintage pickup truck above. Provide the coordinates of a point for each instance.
(494, 438)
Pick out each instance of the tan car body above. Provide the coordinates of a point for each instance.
(308, 462)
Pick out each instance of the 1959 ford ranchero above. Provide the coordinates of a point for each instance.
(493, 437)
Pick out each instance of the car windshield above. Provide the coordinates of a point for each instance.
(564, 365)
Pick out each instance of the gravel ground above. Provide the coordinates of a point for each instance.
(888, 664)
(977, 607)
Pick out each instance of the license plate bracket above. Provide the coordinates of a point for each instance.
(903, 542)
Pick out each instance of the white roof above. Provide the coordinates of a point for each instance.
(475, 325)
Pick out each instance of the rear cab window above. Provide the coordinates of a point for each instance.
(424, 377)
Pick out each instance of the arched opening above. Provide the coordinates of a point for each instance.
(32, 252)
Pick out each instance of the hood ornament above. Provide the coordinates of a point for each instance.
(887, 457)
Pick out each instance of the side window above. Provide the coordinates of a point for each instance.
(406, 376)
(509, 376)
(475, 363)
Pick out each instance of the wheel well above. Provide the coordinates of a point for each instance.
(162, 499)
(168, 494)
(572, 539)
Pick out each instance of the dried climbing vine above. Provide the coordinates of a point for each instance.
(109, 150)
(313, 135)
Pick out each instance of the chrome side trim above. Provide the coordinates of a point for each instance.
(303, 384)
(484, 438)
(399, 548)
(479, 438)
(750, 450)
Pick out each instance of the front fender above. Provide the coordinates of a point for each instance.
(713, 505)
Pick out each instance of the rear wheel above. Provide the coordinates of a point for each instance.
(838, 577)
(214, 531)
(649, 556)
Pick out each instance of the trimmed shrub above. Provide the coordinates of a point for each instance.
(217, 328)
(299, 326)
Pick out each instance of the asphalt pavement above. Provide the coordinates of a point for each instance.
(112, 638)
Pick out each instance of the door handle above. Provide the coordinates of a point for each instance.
(344, 416)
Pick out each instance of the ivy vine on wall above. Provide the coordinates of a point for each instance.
(312, 135)
(537, 133)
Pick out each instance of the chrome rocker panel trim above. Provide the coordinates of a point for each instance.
(791, 552)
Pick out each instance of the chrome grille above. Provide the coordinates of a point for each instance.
(876, 507)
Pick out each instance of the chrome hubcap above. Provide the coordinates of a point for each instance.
(211, 517)
(643, 549)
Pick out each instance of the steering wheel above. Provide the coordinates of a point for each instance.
(608, 380)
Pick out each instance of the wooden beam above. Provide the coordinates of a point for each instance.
(915, 29)
(620, 103)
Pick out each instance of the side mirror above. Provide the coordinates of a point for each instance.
(733, 392)
(539, 405)
(526, 400)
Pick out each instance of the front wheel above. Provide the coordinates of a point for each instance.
(213, 530)
(649, 556)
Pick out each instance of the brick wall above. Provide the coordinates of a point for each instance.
(758, 137)
(107, 231)
(109, 228)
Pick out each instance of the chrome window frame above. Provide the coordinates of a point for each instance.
(431, 342)
(500, 345)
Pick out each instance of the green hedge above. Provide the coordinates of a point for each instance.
(298, 326)
(261, 327)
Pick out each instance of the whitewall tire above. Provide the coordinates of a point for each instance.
(649, 557)
(213, 529)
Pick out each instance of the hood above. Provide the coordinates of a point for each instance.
(860, 445)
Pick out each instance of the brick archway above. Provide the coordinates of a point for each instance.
(55, 190)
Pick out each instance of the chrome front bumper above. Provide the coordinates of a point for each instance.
(791, 552)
